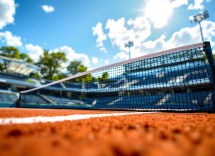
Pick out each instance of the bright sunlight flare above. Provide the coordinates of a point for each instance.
(158, 11)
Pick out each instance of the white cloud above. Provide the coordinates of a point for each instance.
(95, 60)
(106, 61)
(185, 36)
(97, 30)
(140, 30)
(56, 50)
(208, 0)
(90, 69)
(100, 44)
(72, 55)
(101, 60)
(34, 51)
(178, 3)
(48, 8)
(3, 41)
(10, 39)
(7, 11)
(122, 56)
(119, 34)
(197, 5)
(103, 49)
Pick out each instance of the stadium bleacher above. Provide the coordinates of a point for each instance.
(63, 100)
(12, 76)
(33, 99)
(73, 85)
(7, 98)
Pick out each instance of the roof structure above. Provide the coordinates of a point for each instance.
(19, 66)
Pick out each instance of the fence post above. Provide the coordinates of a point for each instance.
(208, 51)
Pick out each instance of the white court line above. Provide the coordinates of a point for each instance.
(30, 120)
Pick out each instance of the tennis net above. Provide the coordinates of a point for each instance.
(180, 79)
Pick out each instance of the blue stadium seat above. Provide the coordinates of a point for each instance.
(8, 98)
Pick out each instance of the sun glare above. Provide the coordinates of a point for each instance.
(158, 11)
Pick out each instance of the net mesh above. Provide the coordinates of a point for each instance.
(178, 81)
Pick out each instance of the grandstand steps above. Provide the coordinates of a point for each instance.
(35, 81)
(163, 100)
(178, 79)
(208, 98)
(63, 85)
(47, 99)
(102, 85)
(94, 102)
(113, 102)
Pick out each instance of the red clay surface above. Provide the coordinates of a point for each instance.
(163, 134)
(22, 112)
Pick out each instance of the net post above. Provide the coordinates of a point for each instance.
(208, 51)
(18, 102)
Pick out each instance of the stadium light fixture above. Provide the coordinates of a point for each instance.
(129, 44)
(198, 18)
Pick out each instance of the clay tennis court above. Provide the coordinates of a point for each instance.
(137, 134)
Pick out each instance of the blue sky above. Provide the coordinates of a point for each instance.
(95, 31)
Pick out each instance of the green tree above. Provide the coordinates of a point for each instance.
(76, 67)
(1, 67)
(37, 75)
(10, 52)
(82, 68)
(73, 67)
(84, 78)
(105, 76)
(50, 63)
(16, 55)
(26, 58)
(59, 76)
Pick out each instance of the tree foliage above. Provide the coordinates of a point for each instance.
(84, 78)
(76, 67)
(1, 67)
(104, 77)
(59, 76)
(51, 63)
(26, 58)
(10, 52)
(82, 68)
(36, 74)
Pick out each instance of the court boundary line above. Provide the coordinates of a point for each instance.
(39, 119)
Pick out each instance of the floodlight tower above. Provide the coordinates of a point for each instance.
(198, 18)
(130, 44)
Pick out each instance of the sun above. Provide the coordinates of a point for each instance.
(158, 11)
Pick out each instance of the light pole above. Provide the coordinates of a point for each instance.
(198, 18)
(130, 44)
